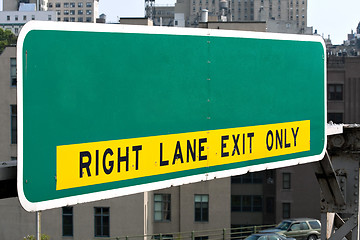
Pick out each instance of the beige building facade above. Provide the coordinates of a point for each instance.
(75, 10)
(66, 10)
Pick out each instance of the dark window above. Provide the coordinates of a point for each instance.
(57, 5)
(304, 226)
(102, 222)
(286, 180)
(314, 224)
(246, 203)
(13, 127)
(13, 71)
(67, 220)
(335, 117)
(286, 210)
(162, 207)
(250, 178)
(335, 92)
(88, 19)
(88, 4)
(80, 4)
(270, 205)
(201, 208)
(202, 238)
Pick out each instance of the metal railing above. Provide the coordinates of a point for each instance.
(216, 234)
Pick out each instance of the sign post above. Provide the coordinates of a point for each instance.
(106, 111)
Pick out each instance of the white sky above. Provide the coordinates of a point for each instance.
(330, 17)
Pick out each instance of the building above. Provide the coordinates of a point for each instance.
(343, 87)
(15, 20)
(75, 10)
(286, 15)
(163, 16)
(66, 11)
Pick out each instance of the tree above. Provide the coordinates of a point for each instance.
(7, 38)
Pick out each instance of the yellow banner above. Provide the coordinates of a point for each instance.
(108, 161)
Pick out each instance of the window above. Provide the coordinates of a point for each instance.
(66, 12)
(246, 203)
(88, 19)
(57, 5)
(335, 92)
(88, 12)
(286, 180)
(202, 238)
(50, 5)
(13, 127)
(335, 117)
(16, 30)
(72, 12)
(314, 224)
(286, 210)
(66, 19)
(80, 19)
(102, 221)
(88, 4)
(270, 205)
(32, 17)
(66, 5)
(162, 207)
(80, 12)
(49, 17)
(16, 17)
(249, 178)
(58, 12)
(201, 208)
(8, 18)
(80, 4)
(72, 19)
(24, 17)
(13, 70)
(72, 4)
(67, 221)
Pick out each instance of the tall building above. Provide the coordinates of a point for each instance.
(66, 10)
(15, 20)
(291, 13)
(75, 10)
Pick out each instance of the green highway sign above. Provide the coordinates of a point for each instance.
(111, 110)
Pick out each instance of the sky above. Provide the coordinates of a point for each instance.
(329, 17)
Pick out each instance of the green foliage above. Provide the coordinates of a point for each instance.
(7, 38)
(32, 237)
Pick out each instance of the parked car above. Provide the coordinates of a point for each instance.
(267, 236)
(298, 228)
